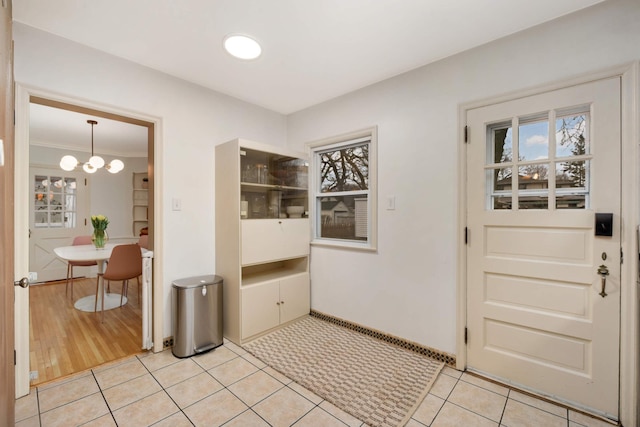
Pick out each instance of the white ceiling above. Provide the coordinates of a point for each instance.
(57, 128)
(312, 50)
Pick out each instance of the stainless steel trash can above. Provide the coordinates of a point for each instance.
(197, 314)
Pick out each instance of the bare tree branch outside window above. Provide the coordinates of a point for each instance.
(346, 169)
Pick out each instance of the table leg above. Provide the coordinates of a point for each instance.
(100, 290)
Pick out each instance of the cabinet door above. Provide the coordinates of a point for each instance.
(295, 300)
(265, 240)
(260, 308)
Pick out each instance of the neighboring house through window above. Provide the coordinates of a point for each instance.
(344, 201)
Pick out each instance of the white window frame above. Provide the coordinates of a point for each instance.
(336, 142)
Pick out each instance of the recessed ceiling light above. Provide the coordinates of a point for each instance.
(242, 47)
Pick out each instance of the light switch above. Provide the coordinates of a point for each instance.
(177, 204)
(391, 203)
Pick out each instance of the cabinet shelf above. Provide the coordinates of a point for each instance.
(266, 272)
(140, 207)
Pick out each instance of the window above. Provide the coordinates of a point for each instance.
(539, 162)
(344, 190)
(54, 202)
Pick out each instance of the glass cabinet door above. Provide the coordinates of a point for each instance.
(272, 185)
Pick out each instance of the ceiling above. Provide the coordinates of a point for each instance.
(312, 50)
(57, 128)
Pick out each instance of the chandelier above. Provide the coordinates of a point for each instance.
(69, 162)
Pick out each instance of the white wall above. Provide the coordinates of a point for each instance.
(408, 288)
(110, 194)
(193, 121)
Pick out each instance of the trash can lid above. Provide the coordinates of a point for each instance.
(197, 281)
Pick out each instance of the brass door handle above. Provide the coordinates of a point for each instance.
(603, 271)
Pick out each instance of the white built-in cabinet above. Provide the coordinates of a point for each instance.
(262, 237)
(140, 201)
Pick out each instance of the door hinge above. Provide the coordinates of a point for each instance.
(466, 235)
(15, 357)
(466, 335)
(466, 134)
(621, 256)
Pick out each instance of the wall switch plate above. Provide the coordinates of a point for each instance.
(176, 204)
(391, 203)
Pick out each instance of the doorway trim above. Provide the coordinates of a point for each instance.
(24, 95)
(629, 309)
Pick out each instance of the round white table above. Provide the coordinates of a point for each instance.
(90, 253)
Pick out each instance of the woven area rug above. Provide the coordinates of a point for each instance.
(374, 381)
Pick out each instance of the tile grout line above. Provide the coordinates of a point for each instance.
(93, 374)
(446, 399)
(38, 404)
(504, 408)
(167, 393)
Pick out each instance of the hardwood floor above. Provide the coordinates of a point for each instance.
(64, 340)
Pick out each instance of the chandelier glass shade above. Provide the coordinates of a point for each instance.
(69, 162)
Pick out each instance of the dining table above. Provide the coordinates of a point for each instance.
(101, 300)
(91, 302)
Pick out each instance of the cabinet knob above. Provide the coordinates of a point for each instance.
(281, 302)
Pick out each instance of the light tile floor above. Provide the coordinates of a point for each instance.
(230, 387)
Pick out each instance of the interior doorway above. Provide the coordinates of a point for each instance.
(64, 354)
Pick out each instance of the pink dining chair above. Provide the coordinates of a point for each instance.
(124, 264)
(78, 240)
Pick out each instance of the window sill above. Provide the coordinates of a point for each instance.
(344, 244)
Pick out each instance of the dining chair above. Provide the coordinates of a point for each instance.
(78, 240)
(124, 264)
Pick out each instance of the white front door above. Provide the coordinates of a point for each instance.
(57, 213)
(539, 170)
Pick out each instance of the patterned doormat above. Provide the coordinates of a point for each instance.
(374, 381)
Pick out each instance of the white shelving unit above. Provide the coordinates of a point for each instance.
(262, 253)
(140, 202)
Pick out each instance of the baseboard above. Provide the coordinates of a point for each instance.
(448, 359)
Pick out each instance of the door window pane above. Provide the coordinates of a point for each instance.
(572, 184)
(533, 202)
(533, 140)
(501, 185)
(533, 176)
(571, 174)
(571, 135)
(501, 135)
(55, 201)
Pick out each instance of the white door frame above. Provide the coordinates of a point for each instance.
(630, 213)
(23, 96)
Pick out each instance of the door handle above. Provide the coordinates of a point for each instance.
(603, 271)
(23, 283)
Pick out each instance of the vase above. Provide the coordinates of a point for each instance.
(99, 238)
